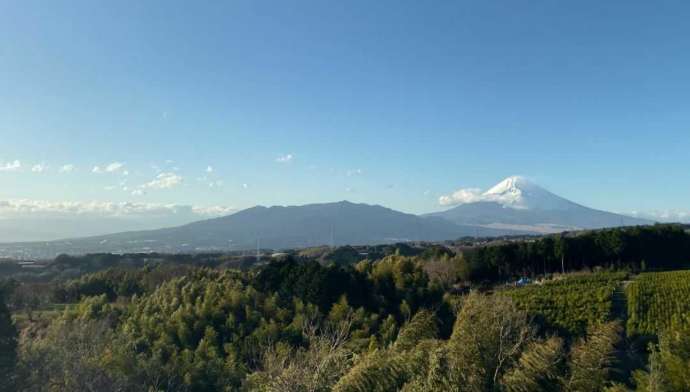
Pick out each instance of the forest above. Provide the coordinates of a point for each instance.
(602, 311)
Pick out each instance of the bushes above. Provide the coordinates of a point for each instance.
(571, 304)
(8, 347)
(655, 299)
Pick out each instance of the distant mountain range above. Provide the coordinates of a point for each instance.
(514, 206)
(518, 204)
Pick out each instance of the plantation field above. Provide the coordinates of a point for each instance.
(570, 304)
(655, 300)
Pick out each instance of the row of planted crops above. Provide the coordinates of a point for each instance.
(654, 301)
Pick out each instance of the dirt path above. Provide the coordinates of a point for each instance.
(619, 303)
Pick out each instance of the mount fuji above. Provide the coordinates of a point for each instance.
(519, 204)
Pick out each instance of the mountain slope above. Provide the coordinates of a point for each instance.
(517, 203)
(276, 228)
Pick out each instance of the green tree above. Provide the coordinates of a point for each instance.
(592, 358)
(488, 337)
(539, 368)
(8, 348)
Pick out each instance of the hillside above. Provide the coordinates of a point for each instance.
(274, 227)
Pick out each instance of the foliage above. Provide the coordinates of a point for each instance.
(539, 367)
(8, 347)
(394, 324)
(489, 334)
(570, 305)
(592, 358)
(316, 367)
(669, 361)
(655, 299)
(650, 247)
(117, 282)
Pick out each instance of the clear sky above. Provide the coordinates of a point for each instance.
(238, 103)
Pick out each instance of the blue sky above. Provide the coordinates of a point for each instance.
(386, 102)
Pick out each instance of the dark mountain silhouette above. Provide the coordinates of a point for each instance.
(278, 228)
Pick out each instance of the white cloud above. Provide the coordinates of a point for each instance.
(245, 186)
(354, 172)
(215, 184)
(11, 166)
(209, 169)
(164, 181)
(39, 168)
(16, 208)
(68, 168)
(285, 158)
(682, 216)
(462, 196)
(114, 167)
(213, 211)
(137, 192)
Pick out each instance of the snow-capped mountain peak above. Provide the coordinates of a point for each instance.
(521, 193)
(517, 203)
(513, 192)
(510, 191)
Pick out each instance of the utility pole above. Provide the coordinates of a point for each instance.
(332, 237)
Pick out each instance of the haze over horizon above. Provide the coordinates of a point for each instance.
(157, 114)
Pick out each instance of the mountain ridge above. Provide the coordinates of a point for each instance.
(275, 227)
(518, 202)
(515, 206)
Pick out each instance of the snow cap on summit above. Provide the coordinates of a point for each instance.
(514, 192)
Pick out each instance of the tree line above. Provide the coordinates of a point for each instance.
(658, 247)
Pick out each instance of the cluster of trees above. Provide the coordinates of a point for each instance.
(212, 331)
(65, 267)
(400, 323)
(116, 282)
(637, 248)
(493, 347)
(207, 330)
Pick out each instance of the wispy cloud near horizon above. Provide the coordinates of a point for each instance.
(67, 168)
(112, 167)
(14, 208)
(675, 216)
(11, 166)
(39, 168)
(287, 158)
(164, 180)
